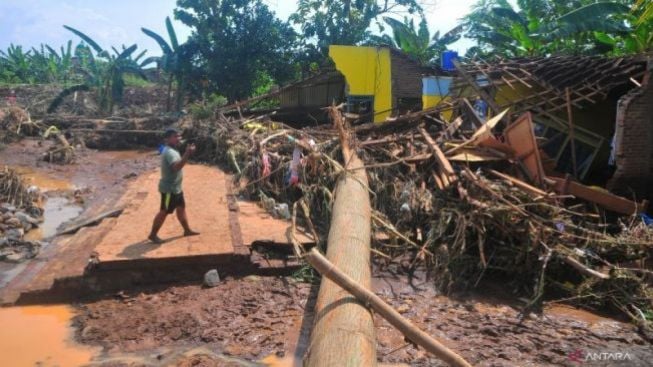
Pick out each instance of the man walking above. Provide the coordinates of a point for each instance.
(172, 197)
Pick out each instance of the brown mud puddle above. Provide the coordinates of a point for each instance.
(93, 179)
(40, 336)
(43, 181)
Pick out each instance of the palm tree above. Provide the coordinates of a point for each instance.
(418, 43)
(103, 72)
(171, 62)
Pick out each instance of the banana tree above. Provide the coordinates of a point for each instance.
(16, 65)
(512, 33)
(172, 62)
(50, 67)
(104, 72)
(646, 11)
(418, 43)
(639, 37)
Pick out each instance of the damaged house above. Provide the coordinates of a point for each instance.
(592, 116)
(602, 107)
(375, 82)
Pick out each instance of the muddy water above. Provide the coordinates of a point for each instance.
(40, 336)
(43, 181)
(274, 361)
(57, 210)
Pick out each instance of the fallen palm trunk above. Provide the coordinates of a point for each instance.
(344, 330)
(414, 334)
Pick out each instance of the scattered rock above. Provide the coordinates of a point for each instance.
(211, 278)
(16, 257)
(252, 278)
(403, 308)
(6, 207)
(129, 175)
(282, 211)
(13, 222)
(25, 218)
(15, 234)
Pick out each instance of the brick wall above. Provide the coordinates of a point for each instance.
(406, 77)
(634, 141)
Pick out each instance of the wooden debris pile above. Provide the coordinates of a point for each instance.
(466, 203)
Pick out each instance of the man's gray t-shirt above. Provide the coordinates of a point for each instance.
(170, 182)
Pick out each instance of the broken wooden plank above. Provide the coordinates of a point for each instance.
(448, 172)
(483, 133)
(520, 136)
(600, 197)
(475, 156)
(94, 220)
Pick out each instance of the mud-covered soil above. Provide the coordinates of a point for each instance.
(255, 317)
(252, 318)
(488, 331)
(98, 175)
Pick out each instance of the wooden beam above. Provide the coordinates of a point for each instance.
(570, 118)
(602, 198)
(442, 160)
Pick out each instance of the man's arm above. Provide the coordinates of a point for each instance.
(178, 165)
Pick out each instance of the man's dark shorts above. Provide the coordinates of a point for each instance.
(170, 202)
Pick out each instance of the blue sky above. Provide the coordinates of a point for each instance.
(31, 22)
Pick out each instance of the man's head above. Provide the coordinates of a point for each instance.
(171, 137)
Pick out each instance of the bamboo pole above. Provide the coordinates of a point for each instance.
(343, 334)
(571, 132)
(413, 333)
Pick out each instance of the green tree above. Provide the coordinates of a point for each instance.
(174, 61)
(16, 66)
(104, 72)
(418, 43)
(235, 41)
(640, 37)
(646, 10)
(541, 28)
(345, 22)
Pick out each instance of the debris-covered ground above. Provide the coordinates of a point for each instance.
(252, 318)
(255, 317)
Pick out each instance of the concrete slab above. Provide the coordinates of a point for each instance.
(205, 191)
